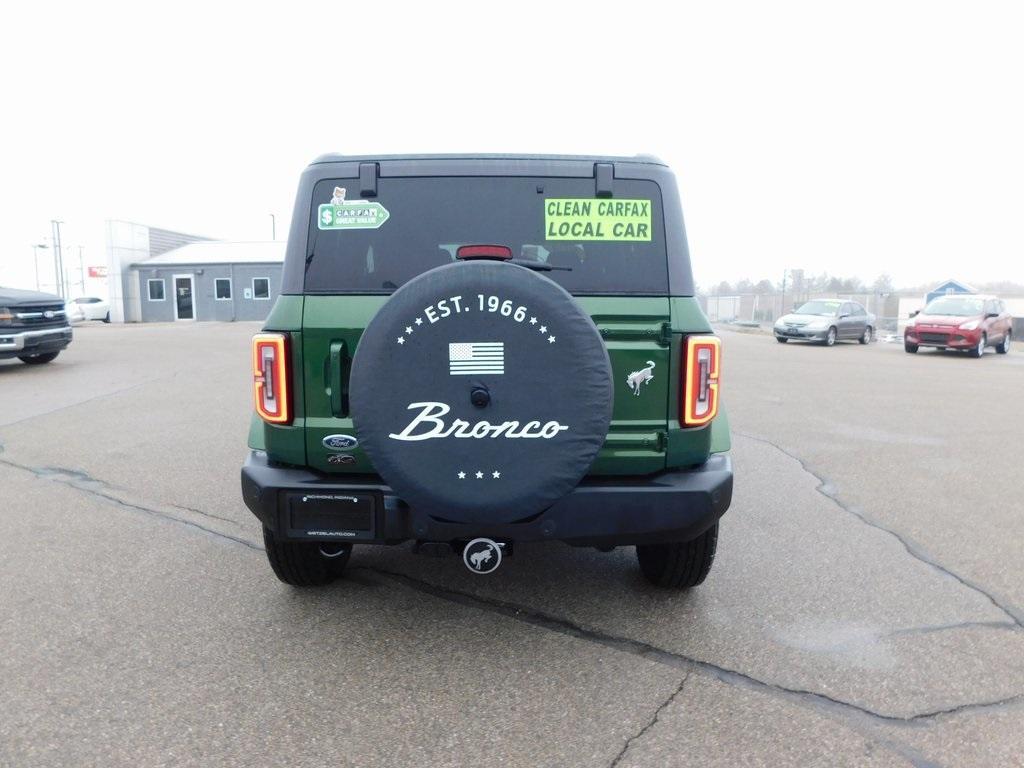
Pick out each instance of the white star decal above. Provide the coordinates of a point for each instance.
(419, 321)
(401, 340)
(495, 474)
(462, 475)
(408, 329)
(551, 339)
(543, 329)
(533, 321)
(479, 475)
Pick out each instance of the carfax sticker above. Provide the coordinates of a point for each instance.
(350, 214)
(571, 218)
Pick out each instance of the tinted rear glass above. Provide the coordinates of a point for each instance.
(422, 221)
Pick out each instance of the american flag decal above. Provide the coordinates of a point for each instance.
(467, 359)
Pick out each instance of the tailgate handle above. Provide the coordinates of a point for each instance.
(337, 381)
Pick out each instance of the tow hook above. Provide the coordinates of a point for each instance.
(482, 555)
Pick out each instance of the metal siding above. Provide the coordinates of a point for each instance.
(205, 303)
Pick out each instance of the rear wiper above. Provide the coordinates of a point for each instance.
(538, 266)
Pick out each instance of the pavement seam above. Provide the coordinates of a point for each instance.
(650, 723)
(49, 473)
(826, 489)
(674, 659)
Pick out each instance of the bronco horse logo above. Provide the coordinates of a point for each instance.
(478, 559)
(638, 378)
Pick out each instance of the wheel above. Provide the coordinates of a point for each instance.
(781, 340)
(830, 339)
(979, 350)
(106, 318)
(866, 337)
(679, 565)
(908, 347)
(1004, 347)
(306, 563)
(46, 357)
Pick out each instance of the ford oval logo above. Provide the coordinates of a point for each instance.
(340, 442)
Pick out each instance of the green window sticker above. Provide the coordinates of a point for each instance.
(572, 218)
(350, 214)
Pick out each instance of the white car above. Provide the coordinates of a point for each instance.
(88, 308)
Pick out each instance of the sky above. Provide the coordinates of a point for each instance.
(849, 138)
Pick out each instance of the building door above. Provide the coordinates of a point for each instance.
(184, 297)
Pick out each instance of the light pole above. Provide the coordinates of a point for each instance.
(35, 259)
(58, 257)
(273, 226)
(81, 269)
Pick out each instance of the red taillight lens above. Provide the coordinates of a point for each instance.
(270, 377)
(702, 357)
(466, 252)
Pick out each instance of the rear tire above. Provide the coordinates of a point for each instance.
(781, 340)
(303, 563)
(46, 357)
(1003, 348)
(979, 350)
(106, 318)
(908, 347)
(679, 565)
(866, 336)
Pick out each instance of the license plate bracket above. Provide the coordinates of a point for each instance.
(331, 516)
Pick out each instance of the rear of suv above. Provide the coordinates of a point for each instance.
(469, 352)
(33, 326)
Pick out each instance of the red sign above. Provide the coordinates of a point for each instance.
(97, 271)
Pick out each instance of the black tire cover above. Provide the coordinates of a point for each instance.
(538, 358)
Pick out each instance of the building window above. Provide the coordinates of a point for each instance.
(156, 290)
(222, 289)
(261, 287)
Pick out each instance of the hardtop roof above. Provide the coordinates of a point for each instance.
(340, 158)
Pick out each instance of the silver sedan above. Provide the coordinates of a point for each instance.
(827, 321)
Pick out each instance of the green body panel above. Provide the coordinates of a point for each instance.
(721, 440)
(337, 320)
(644, 436)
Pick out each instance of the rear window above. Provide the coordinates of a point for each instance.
(612, 245)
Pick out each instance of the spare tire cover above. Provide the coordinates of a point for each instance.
(530, 354)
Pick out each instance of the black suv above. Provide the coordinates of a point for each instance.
(33, 326)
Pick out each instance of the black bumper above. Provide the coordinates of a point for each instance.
(676, 505)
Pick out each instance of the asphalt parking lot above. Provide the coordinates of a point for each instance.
(866, 606)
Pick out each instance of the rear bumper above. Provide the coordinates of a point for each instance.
(675, 505)
(35, 342)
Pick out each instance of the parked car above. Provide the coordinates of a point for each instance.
(88, 308)
(826, 321)
(33, 326)
(470, 352)
(962, 322)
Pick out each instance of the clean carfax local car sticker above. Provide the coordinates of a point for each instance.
(350, 214)
(571, 218)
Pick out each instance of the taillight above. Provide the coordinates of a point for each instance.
(270, 377)
(700, 380)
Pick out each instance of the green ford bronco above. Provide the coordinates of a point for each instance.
(474, 351)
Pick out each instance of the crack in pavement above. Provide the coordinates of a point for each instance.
(673, 659)
(81, 481)
(826, 489)
(650, 723)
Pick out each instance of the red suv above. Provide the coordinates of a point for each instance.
(968, 322)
